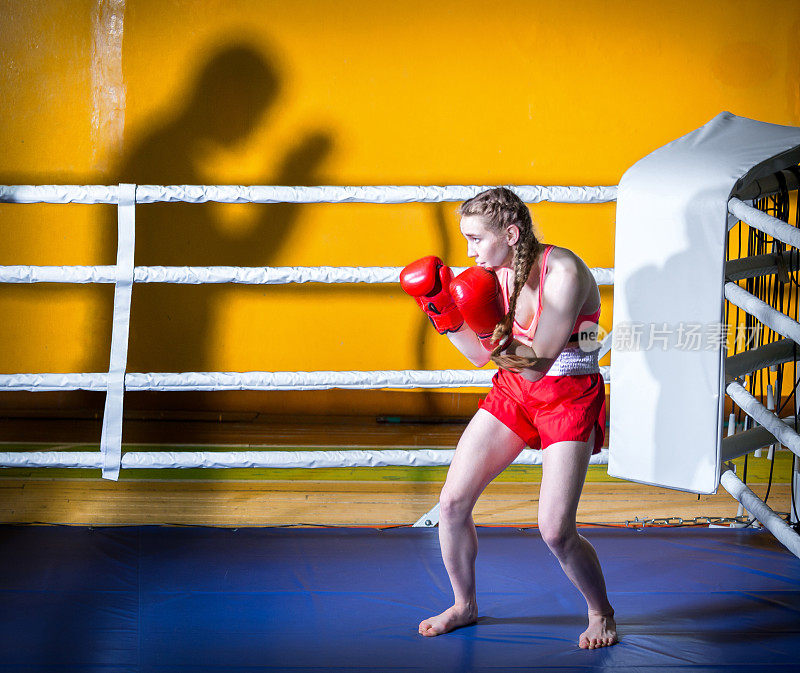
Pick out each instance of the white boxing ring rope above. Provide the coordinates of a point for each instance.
(196, 275)
(210, 381)
(123, 275)
(91, 194)
(263, 459)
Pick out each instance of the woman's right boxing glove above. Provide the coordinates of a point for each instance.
(476, 292)
(428, 281)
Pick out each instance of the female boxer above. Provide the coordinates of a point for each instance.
(526, 303)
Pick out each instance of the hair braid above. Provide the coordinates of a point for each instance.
(525, 253)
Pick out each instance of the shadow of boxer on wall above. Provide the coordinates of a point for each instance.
(233, 93)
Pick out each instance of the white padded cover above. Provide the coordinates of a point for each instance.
(666, 394)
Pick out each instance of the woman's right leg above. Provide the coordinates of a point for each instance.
(486, 448)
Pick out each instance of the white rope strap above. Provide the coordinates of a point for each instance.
(111, 438)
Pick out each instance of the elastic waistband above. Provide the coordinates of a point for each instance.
(574, 362)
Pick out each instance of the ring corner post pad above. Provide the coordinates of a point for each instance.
(111, 437)
(671, 227)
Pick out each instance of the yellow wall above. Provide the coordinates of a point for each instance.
(336, 92)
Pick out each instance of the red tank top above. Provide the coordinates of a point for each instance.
(506, 278)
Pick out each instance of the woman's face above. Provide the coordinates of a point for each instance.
(489, 248)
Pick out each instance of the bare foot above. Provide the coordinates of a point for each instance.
(450, 619)
(602, 632)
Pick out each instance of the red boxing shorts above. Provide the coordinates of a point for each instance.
(552, 409)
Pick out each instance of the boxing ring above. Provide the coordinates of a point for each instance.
(124, 274)
(160, 599)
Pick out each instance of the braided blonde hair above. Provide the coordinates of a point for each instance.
(500, 207)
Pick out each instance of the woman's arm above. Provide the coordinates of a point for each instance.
(467, 342)
(523, 360)
(562, 297)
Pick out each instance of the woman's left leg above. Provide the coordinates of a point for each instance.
(564, 466)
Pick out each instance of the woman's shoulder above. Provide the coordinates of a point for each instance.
(560, 255)
(566, 265)
(565, 261)
(562, 259)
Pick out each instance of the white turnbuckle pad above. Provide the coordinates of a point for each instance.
(667, 378)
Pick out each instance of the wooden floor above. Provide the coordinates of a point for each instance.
(235, 504)
(284, 431)
(307, 499)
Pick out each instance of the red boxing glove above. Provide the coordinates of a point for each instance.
(428, 281)
(476, 292)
